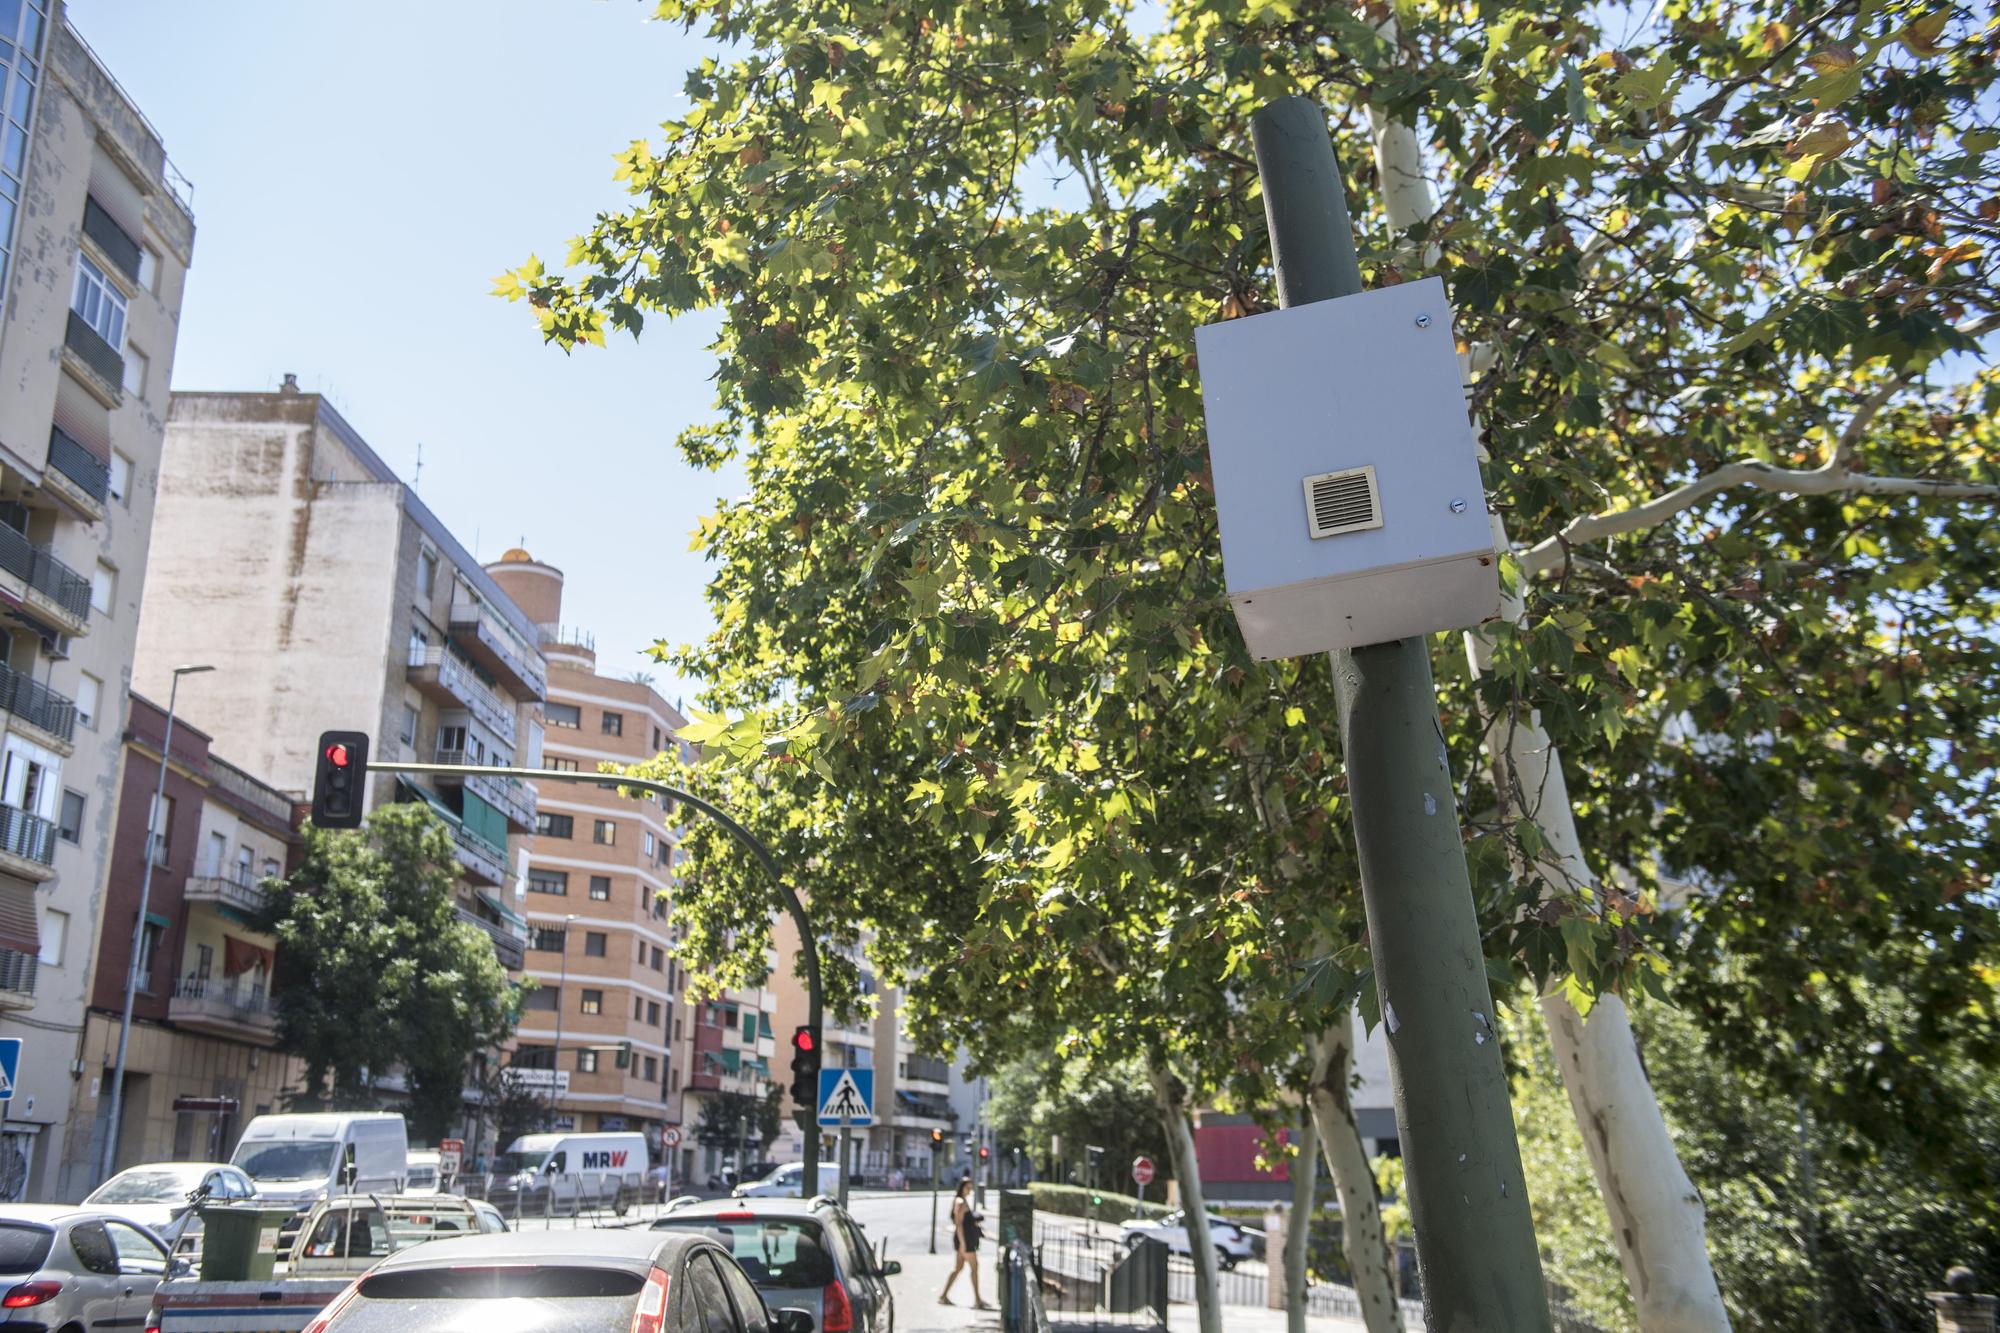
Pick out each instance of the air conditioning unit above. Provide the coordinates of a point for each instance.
(1346, 475)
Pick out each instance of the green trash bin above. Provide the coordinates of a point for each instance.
(239, 1241)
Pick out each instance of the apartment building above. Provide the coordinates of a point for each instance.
(200, 1058)
(326, 594)
(95, 239)
(600, 875)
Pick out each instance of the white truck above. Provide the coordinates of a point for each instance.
(339, 1239)
(302, 1159)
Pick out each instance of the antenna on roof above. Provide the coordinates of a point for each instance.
(417, 481)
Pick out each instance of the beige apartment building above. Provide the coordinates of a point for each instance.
(327, 596)
(95, 241)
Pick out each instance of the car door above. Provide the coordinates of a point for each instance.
(142, 1264)
(704, 1305)
(874, 1309)
(98, 1282)
(750, 1308)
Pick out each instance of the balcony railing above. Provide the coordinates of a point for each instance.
(27, 836)
(499, 647)
(510, 948)
(234, 1005)
(17, 971)
(91, 474)
(923, 1069)
(480, 857)
(96, 353)
(244, 895)
(455, 678)
(249, 791)
(40, 570)
(36, 704)
(510, 796)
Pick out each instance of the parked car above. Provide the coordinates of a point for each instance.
(1231, 1241)
(491, 1220)
(783, 1182)
(71, 1267)
(588, 1281)
(157, 1194)
(423, 1171)
(800, 1253)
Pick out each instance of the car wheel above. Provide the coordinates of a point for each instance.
(1224, 1259)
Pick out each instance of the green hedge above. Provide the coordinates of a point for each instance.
(1074, 1201)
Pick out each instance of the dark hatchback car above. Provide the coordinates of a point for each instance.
(558, 1282)
(807, 1254)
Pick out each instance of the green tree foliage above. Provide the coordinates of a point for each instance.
(1039, 1101)
(379, 974)
(740, 1120)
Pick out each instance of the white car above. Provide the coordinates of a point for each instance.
(783, 1183)
(156, 1194)
(1231, 1241)
(423, 1167)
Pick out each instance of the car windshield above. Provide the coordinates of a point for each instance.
(510, 1162)
(24, 1248)
(148, 1185)
(286, 1161)
(510, 1299)
(779, 1253)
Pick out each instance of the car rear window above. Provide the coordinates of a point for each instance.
(501, 1282)
(23, 1249)
(509, 1299)
(779, 1253)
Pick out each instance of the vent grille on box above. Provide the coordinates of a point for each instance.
(1338, 502)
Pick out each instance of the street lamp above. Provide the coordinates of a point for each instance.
(562, 989)
(153, 834)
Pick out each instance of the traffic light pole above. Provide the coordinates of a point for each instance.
(934, 1194)
(808, 943)
(1468, 1203)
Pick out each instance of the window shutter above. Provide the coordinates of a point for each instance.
(119, 196)
(83, 418)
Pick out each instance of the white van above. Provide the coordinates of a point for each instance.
(423, 1175)
(577, 1170)
(301, 1159)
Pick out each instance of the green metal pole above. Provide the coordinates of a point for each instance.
(1468, 1204)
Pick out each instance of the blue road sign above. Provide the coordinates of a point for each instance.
(10, 1066)
(846, 1096)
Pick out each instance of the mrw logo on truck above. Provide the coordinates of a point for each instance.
(604, 1161)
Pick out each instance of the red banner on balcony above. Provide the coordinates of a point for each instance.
(240, 956)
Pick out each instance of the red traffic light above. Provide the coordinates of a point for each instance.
(336, 754)
(803, 1039)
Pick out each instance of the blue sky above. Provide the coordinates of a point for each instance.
(361, 172)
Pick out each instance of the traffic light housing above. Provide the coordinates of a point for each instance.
(937, 1139)
(805, 1066)
(340, 779)
(984, 1152)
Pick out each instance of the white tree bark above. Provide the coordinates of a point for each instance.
(1298, 1227)
(1659, 1225)
(1361, 1236)
(1167, 1096)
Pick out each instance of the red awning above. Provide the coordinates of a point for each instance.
(239, 956)
(18, 923)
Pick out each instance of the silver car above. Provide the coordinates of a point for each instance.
(70, 1267)
(806, 1254)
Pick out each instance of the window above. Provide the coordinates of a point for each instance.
(204, 961)
(750, 1026)
(163, 827)
(136, 366)
(542, 999)
(427, 572)
(218, 855)
(70, 827)
(546, 939)
(89, 696)
(656, 741)
(562, 765)
(270, 867)
(246, 862)
(534, 1056)
(677, 1029)
(98, 303)
(606, 833)
(554, 826)
(652, 1067)
(55, 936)
(653, 1013)
(586, 1062)
(103, 588)
(593, 943)
(614, 723)
(658, 958)
(600, 888)
(592, 1002)
(650, 842)
(420, 647)
(409, 732)
(563, 715)
(549, 881)
(638, 1008)
(149, 269)
(149, 948)
(121, 476)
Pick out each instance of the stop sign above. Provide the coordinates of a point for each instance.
(1142, 1170)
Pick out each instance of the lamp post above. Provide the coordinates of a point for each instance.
(139, 925)
(562, 987)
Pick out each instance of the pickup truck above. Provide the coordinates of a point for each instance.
(338, 1240)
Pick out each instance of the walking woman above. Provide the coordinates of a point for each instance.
(965, 1238)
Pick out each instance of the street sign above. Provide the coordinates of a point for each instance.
(451, 1156)
(540, 1080)
(672, 1138)
(1142, 1170)
(10, 1066)
(847, 1096)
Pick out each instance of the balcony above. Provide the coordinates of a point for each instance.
(27, 844)
(510, 796)
(923, 1069)
(507, 946)
(233, 1008)
(442, 676)
(100, 356)
(17, 979)
(40, 707)
(482, 860)
(243, 895)
(76, 474)
(45, 584)
(494, 644)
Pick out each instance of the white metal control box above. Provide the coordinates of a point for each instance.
(1346, 475)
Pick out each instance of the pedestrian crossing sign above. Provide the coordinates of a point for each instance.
(846, 1097)
(10, 1066)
